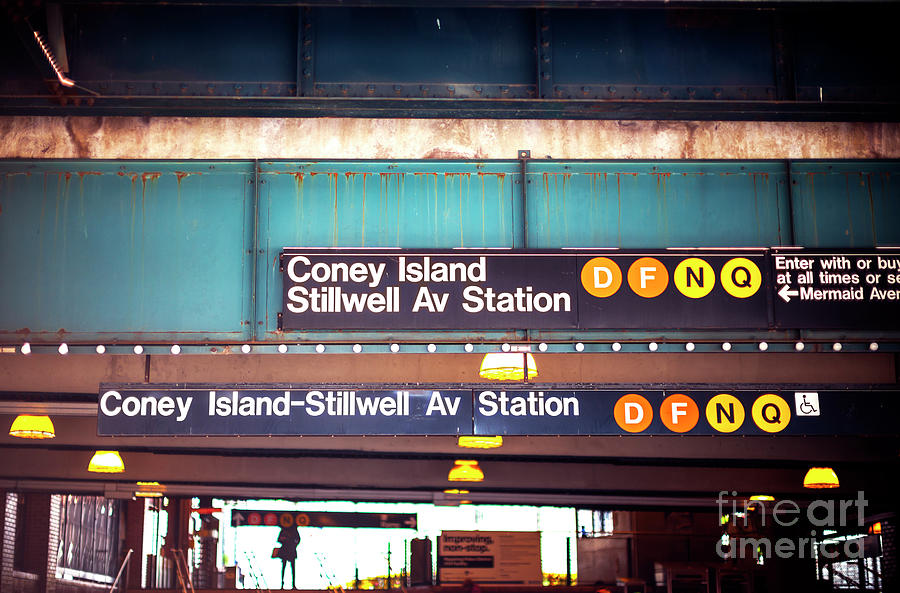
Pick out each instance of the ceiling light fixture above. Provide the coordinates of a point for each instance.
(479, 442)
(465, 470)
(26, 426)
(106, 462)
(821, 477)
(507, 366)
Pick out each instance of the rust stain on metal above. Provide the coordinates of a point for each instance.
(179, 175)
(83, 174)
(150, 176)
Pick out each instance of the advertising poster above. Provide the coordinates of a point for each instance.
(495, 557)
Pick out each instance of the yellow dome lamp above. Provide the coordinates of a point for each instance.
(465, 470)
(821, 477)
(106, 462)
(149, 490)
(508, 366)
(479, 442)
(26, 426)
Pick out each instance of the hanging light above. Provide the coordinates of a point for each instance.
(149, 490)
(821, 477)
(106, 462)
(465, 470)
(763, 497)
(480, 442)
(507, 366)
(26, 426)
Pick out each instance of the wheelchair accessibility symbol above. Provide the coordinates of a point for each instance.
(806, 403)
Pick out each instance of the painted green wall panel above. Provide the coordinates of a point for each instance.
(380, 204)
(142, 250)
(145, 251)
(846, 204)
(657, 204)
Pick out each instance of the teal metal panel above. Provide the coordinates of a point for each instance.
(161, 252)
(410, 204)
(131, 251)
(657, 204)
(851, 204)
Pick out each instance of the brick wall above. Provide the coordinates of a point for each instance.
(889, 557)
(11, 580)
(41, 539)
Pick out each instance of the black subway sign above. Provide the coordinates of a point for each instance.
(589, 289)
(281, 518)
(821, 290)
(198, 410)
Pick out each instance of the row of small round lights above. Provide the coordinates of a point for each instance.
(799, 346)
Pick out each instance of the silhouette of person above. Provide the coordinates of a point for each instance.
(289, 538)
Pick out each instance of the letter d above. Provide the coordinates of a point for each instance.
(606, 283)
(634, 413)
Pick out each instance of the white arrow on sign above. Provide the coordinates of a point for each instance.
(238, 518)
(786, 293)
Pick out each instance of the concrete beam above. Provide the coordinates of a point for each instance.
(30, 137)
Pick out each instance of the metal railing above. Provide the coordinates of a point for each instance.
(121, 570)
